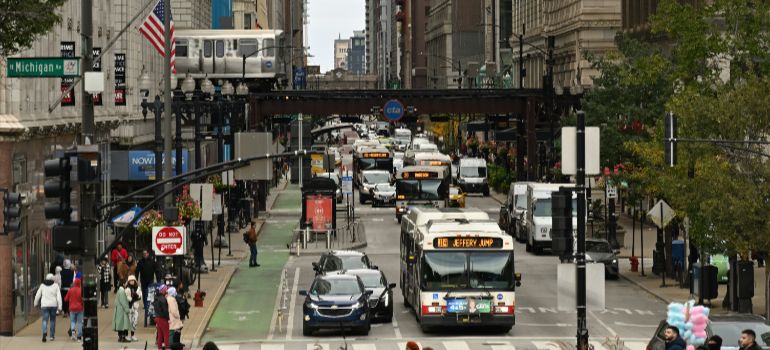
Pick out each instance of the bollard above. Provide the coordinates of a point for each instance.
(328, 239)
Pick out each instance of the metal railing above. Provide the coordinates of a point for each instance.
(326, 238)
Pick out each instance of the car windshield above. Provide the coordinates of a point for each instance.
(473, 171)
(331, 176)
(345, 262)
(731, 332)
(334, 286)
(476, 270)
(377, 178)
(372, 280)
(598, 246)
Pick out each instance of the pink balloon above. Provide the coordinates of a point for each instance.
(700, 334)
(690, 347)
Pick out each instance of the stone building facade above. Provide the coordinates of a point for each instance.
(30, 134)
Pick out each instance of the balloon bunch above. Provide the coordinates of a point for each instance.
(691, 321)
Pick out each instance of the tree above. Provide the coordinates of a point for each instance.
(22, 21)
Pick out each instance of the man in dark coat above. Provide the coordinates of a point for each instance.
(673, 340)
(748, 340)
(147, 268)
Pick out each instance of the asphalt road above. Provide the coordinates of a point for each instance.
(630, 314)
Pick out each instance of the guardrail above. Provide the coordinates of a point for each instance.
(327, 238)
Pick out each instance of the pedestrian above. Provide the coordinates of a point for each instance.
(57, 276)
(199, 241)
(673, 340)
(713, 343)
(67, 276)
(160, 305)
(75, 299)
(120, 320)
(134, 295)
(252, 242)
(104, 271)
(48, 298)
(748, 340)
(116, 256)
(210, 346)
(411, 345)
(126, 268)
(174, 319)
(147, 268)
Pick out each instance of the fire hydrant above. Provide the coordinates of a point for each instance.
(199, 296)
(634, 264)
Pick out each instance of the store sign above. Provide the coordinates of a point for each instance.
(120, 79)
(97, 67)
(67, 49)
(141, 164)
(319, 211)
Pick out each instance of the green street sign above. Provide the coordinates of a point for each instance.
(43, 67)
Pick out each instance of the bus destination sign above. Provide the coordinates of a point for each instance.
(419, 175)
(376, 155)
(467, 242)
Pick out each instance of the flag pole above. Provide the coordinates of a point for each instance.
(167, 99)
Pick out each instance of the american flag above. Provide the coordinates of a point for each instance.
(152, 29)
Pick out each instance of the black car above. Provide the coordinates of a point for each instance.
(381, 301)
(336, 302)
(600, 251)
(337, 260)
(728, 327)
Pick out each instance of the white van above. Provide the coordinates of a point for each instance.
(539, 215)
(472, 175)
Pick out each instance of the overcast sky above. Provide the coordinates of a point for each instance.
(329, 19)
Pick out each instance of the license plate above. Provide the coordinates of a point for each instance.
(457, 305)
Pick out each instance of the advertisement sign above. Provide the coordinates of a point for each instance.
(67, 49)
(316, 163)
(319, 211)
(168, 240)
(97, 67)
(120, 79)
(141, 164)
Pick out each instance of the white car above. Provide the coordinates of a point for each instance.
(383, 194)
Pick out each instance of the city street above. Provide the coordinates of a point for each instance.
(631, 313)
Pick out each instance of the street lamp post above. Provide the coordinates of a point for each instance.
(145, 84)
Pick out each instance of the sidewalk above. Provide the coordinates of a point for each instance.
(213, 283)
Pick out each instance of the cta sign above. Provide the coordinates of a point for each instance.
(168, 240)
(393, 110)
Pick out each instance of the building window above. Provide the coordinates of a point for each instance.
(246, 21)
(19, 169)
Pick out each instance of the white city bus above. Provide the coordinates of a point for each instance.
(459, 273)
(421, 186)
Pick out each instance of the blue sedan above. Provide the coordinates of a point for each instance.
(336, 302)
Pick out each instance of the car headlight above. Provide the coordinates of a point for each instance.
(385, 299)
(614, 261)
(313, 306)
(356, 305)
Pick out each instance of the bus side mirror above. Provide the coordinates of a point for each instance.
(303, 293)
(392, 286)
(517, 278)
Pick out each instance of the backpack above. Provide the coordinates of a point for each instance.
(184, 307)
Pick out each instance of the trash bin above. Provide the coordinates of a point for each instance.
(677, 253)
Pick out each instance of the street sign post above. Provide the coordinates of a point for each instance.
(661, 214)
(43, 67)
(612, 191)
(168, 240)
(393, 110)
(347, 185)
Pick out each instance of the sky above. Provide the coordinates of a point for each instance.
(329, 19)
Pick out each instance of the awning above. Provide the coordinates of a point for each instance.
(124, 219)
(9, 124)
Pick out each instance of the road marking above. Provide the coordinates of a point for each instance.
(546, 345)
(396, 329)
(278, 302)
(596, 345)
(635, 325)
(290, 325)
(229, 347)
(377, 219)
(635, 345)
(270, 347)
(209, 313)
(364, 347)
(612, 331)
(544, 324)
(456, 345)
(317, 346)
(503, 346)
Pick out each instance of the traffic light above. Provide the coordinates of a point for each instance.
(561, 231)
(57, 187)
(11, 212)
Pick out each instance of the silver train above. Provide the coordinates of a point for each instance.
(218, 55)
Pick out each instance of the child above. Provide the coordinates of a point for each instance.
(105, 280)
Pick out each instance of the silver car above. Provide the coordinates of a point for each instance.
(383, 194)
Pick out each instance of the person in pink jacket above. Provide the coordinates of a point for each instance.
(174, 319)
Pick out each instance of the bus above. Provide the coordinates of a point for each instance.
(458, 272)
(430, 159)
(375, 160)
(421, 186)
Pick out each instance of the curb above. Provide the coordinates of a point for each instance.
(648, 290)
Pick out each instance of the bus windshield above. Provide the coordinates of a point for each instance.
(419, 189)
(467, 270)
(375, 164)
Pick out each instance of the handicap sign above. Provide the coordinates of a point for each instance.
(393, 110)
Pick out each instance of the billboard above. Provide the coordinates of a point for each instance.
(319, 211)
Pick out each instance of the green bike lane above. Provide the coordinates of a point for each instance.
(245, 310)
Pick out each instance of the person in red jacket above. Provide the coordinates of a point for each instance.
(75, 298)
(116, 256)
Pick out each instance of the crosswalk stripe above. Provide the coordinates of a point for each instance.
(635, 345)
(596, 344)
(546, 345)
(503, 346)
(270, 347)
(364, 347)
(456, 345)
(230, 347)
(324, 346)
